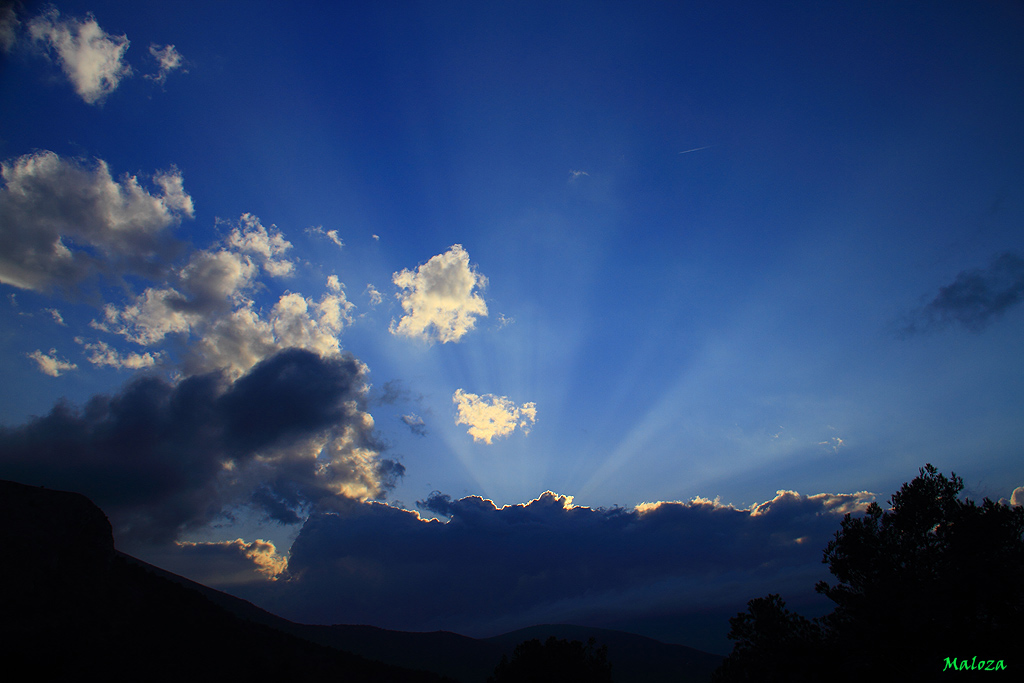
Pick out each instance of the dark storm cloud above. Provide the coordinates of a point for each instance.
(160, 458)
(976, 298)
(489, 569)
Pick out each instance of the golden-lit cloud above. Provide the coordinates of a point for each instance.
(440, 298)
(491, 416)
(237, 562)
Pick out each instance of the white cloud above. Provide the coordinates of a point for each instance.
(439, 298)
(210, 303)
(491, 416)
(169, 60)
(153, 315)
(50, 364)
(92, 59)
(60, 221)
(301, 322)
(102, 354)
(374, 296)
(331, 235)
(251, 237)
(57, 317)
(210, 300)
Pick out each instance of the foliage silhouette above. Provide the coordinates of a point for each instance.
(932, 577)
(556, 661)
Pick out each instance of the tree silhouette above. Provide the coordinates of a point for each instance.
(930, 578)
(772, 644)
(556, 661)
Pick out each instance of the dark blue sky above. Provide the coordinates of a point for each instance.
(627, 253)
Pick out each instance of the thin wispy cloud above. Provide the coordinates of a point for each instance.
(330, 235)
(9, 26)
(104, 355)
(57, 317)
(50, 364)
(373, 296)
(168, 60)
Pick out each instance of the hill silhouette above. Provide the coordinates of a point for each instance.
(73, 607)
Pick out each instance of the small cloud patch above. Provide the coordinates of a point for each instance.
(491, 416)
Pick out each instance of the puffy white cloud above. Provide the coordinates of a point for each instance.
(153, 315)
(491, 416)
(61, 220)
(440, 298)
(169, 60)
(210, 304)
(102, 354)
(50, 364)
(301, 322)
(92, 59)
(251, 237)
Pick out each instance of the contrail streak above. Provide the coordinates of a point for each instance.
(696, 149)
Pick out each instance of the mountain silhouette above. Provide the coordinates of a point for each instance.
(73, 607)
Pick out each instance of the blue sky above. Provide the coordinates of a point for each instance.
(677, 250)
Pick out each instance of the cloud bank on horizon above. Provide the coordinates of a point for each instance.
(183, 346)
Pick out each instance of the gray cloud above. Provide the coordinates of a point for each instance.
(975, 299)
(490, 569)
(161, 458)
(9, 25)
(62, 221)
(415, 423)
